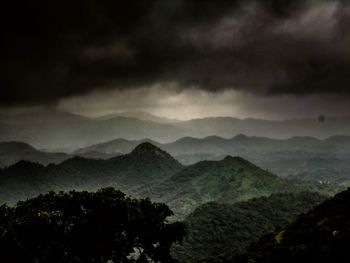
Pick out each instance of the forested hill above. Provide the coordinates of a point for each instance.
(145, 165)
(230, 180)
(220, 231)
(322, 235)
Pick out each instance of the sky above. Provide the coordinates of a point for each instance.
(179, 59)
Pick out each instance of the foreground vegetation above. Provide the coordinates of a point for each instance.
(102, 226)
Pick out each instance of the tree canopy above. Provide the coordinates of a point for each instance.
(102, 226)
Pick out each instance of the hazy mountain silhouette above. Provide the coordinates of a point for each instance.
(12, 152)
(141, 115)
(239, 144)
(66, 131)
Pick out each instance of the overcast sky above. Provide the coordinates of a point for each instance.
(180, 59)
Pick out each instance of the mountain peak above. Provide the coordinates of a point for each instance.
(239, 161)
(235, 158)
(149, 149)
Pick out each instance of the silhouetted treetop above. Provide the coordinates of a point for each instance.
(102, 226)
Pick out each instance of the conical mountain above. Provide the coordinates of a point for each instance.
(146, 164)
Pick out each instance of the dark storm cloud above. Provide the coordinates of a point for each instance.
(55, 49)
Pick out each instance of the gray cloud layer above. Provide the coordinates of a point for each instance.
(56, 49)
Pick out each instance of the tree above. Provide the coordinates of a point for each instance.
(87, 227)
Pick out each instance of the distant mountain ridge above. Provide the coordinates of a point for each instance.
(308, 158)
(12, 152)
(223, 146)
(141, 115)
(71, 131)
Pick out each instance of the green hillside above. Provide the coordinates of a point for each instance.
(321, 235)
(216, 230)
(230, 180)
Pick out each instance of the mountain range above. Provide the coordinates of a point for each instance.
(63, 131)
(240, 144)
(13, 152)
(322, 160)
(305, 158)
(149, 171)
(144, 165)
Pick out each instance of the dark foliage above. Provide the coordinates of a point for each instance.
(322, 235)
(102, 226)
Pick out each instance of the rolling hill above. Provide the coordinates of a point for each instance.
(222, 230)
(230, 180)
